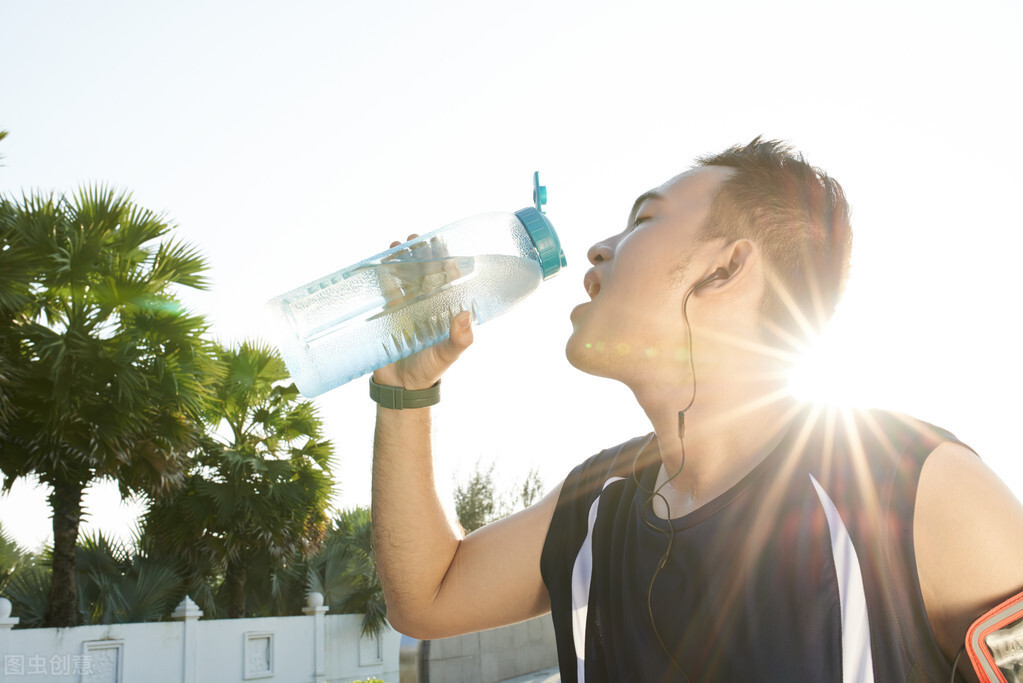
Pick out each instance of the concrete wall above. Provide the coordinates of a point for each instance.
(492, 656)
(316, 648)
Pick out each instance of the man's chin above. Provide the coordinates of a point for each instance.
(576, 353)
(587, 356)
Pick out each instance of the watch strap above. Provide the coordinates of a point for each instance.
(399, 398)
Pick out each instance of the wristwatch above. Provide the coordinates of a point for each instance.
(399, 398)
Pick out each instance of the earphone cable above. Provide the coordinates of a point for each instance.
(652, 494)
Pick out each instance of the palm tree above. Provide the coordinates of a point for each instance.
(122, 582)
(344, 571)
(104, 373)
(28, 589)
(12, 557)
(258, 489)
(117, 583)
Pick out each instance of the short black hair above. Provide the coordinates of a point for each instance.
(799, 218)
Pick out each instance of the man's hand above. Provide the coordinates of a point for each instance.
(422, 370)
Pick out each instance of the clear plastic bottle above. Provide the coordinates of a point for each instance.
(402, 300)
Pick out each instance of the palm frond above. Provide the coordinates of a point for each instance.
(12, 557)
(29, 592)
(152, 590)
(179, 263)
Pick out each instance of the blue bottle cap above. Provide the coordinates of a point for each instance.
(540, 230)
(539, 192)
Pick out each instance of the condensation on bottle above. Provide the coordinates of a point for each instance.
(402, 300)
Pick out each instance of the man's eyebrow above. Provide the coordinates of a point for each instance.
(652, 194)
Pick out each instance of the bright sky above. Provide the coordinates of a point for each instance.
(289, 140)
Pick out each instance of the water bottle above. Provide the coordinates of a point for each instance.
(402, 300)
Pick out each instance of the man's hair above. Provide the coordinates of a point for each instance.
(798, 217)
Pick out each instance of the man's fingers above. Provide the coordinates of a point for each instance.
(459, 339)
(433, 362)
(461, 329)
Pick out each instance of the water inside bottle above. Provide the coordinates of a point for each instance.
(367, 292)
(391, 310)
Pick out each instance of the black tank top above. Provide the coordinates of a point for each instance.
(803, 571)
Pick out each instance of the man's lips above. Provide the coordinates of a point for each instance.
(591, 284)
(592, 288)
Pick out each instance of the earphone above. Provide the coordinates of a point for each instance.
(719, 274)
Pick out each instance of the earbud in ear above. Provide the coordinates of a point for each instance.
(719, 274)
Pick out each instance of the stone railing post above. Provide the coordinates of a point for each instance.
(315, 608)
(189, 613)
(7, 622)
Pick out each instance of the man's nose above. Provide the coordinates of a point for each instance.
(600, 252)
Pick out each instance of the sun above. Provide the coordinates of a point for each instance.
(834, 369)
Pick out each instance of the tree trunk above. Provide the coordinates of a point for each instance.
(235, 579)
(66, 503)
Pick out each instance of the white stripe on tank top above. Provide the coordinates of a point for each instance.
(582, 571)
(857, 660)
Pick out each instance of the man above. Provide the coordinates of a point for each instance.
(748, 537)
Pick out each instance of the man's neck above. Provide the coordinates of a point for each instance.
(728, 432)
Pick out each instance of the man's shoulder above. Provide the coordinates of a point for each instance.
(864, 458)
(583, 486)
(967, 532)
(897, 428)
(616, 462)
(877, 437)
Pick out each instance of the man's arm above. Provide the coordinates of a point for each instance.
(968, 537)
(438, 582)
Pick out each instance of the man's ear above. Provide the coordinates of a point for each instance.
(734, 261)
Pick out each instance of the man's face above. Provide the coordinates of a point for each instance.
(640, 276)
